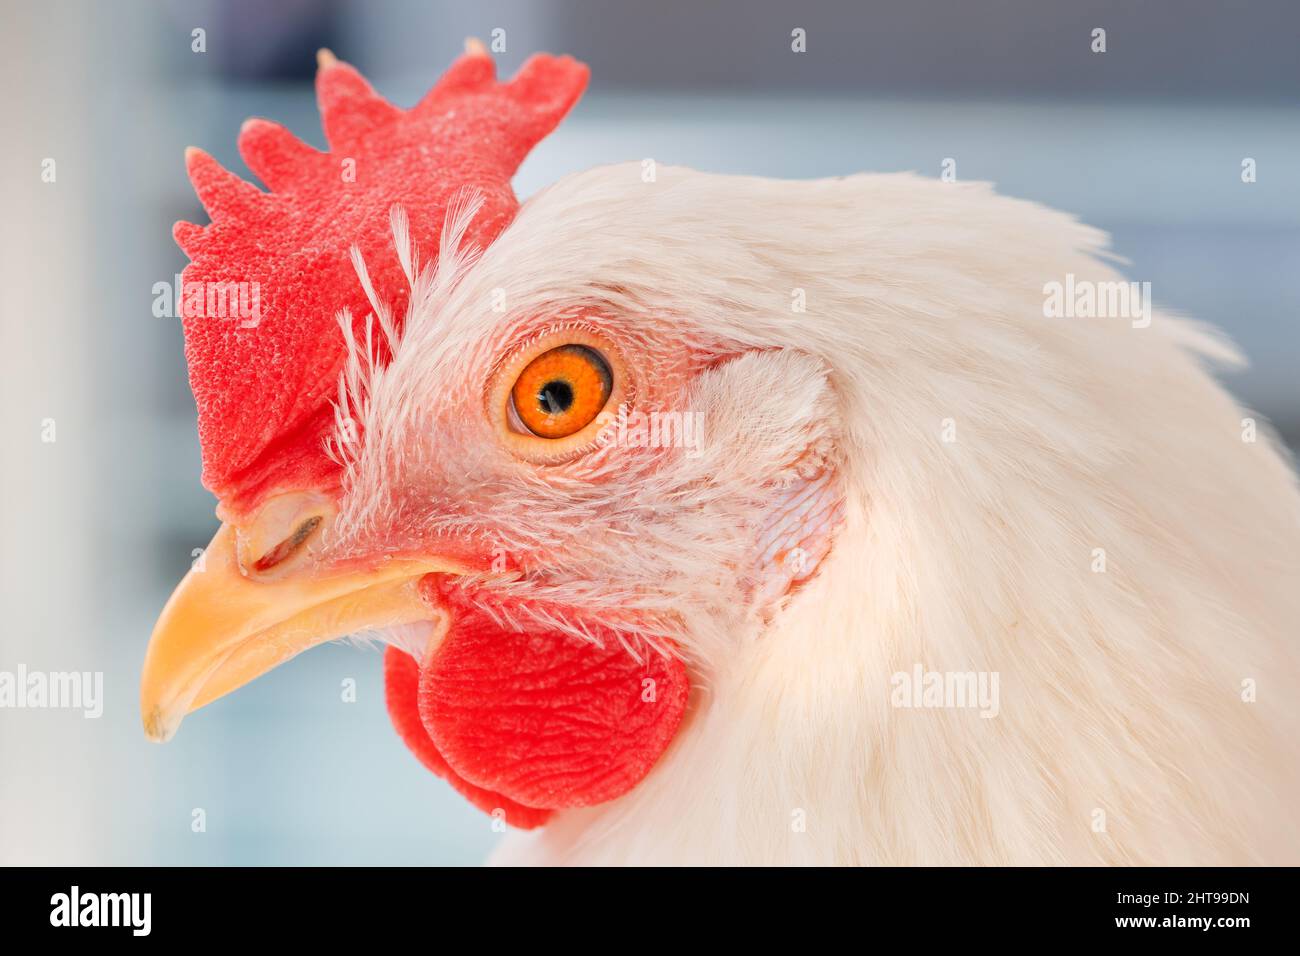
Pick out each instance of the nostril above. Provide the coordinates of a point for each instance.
(289, 546)
(280, 530)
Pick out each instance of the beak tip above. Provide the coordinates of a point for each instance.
(157, 727)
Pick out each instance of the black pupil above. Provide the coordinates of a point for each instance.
(555, 397)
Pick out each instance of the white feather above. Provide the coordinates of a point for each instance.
(1122, 736)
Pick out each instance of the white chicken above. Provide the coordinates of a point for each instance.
(726, 520)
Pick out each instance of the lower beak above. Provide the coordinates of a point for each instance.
(221, 628)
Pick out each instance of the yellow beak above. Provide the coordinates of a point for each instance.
(222, 628)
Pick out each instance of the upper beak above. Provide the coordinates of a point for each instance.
(222, 628)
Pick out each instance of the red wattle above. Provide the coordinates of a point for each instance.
(401, 688)
(533, 722)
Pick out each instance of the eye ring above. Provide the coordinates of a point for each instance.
(590, 366)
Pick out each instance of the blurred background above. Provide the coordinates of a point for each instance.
(1146, 140)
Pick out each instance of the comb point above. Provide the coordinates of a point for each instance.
(188, 236)
(222, 193)
(274, 154)
(474, 71)
(349, 106)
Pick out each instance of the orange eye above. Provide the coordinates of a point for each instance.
(561, 391)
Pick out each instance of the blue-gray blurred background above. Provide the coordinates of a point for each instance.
(1146, 140)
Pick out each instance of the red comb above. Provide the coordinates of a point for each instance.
(263, 384)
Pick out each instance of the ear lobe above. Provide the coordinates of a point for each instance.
(798, 532)
(771, 413)
(772, 423)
